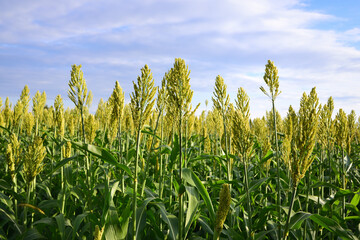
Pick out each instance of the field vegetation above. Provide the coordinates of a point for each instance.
(155, 169)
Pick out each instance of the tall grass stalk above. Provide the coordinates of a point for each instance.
(179, 100)
(142, 102)
(305, 126)
(243, 142)
(221, 102)
(271, 79)
(79, 95)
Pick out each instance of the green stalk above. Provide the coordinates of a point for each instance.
(181, 210)
(135, 180)
(286, 232)
(307, 180)
(84, 141)
(343, 170)
(249, 231)
(15, 200)
(120, 159)
(148, 156)
(229, 175)
(62, 184)
(28, 202)
(33, 199)
(329, 167)
(161, 179)
(278, 200)
(161, 162)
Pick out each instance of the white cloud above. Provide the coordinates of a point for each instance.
(114, 39)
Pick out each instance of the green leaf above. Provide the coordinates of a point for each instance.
(141, 216)
(60, 220)
(4, 128)
(205, 226)
(102, 154)
(46, 220)
(181, 189)
(356, 199)
(62, 163)
(174, 152)
(151, 134)
(332, 226)
(124, 220)
(316, 199)
(263, 234)
(190, 177)
(193, 203)
(254, 186)
(170, 219)
(112, 230)
(79, 218)
(11, 218)
(297, 219)
(32, 234)
(268, 155)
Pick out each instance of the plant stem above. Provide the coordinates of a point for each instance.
(247, 197)
(343, 170)
(286, 232)
(278, 200)
(181, 210)
(28, 202)
(135, 181)
(149, 153)
(62, 210)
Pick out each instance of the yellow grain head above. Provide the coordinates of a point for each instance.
(112, 133)
(304, 133)
(351, 118)
(91, 125)
(29, 123)
(18, 114)
(128, 123)
(142, 99)
(271, 79)
(7, 112)
(221, 99)
(98, 232)
(341, 129)
(78, 92)
(116, 101)
(59, 119)
(241, 124)
(25, 98)
(178, 89)
(67, 149)
(162, 96)
(242, 139)
(39, 101)
(224, 206)
(70, 124)
(33, 159)
(13, 154)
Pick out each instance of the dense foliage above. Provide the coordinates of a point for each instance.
(153, 169)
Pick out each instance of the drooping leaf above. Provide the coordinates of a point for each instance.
(102, 154)
(190, 177)
(193, 202)
(332, 226)
(170, 219)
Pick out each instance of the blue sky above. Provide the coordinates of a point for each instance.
(313, 43)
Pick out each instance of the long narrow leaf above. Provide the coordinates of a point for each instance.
(170, 219)
(193, 180)
(102, 154)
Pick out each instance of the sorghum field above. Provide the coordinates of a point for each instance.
(153, 169)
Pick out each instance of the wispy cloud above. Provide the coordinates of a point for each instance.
(114, 39)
